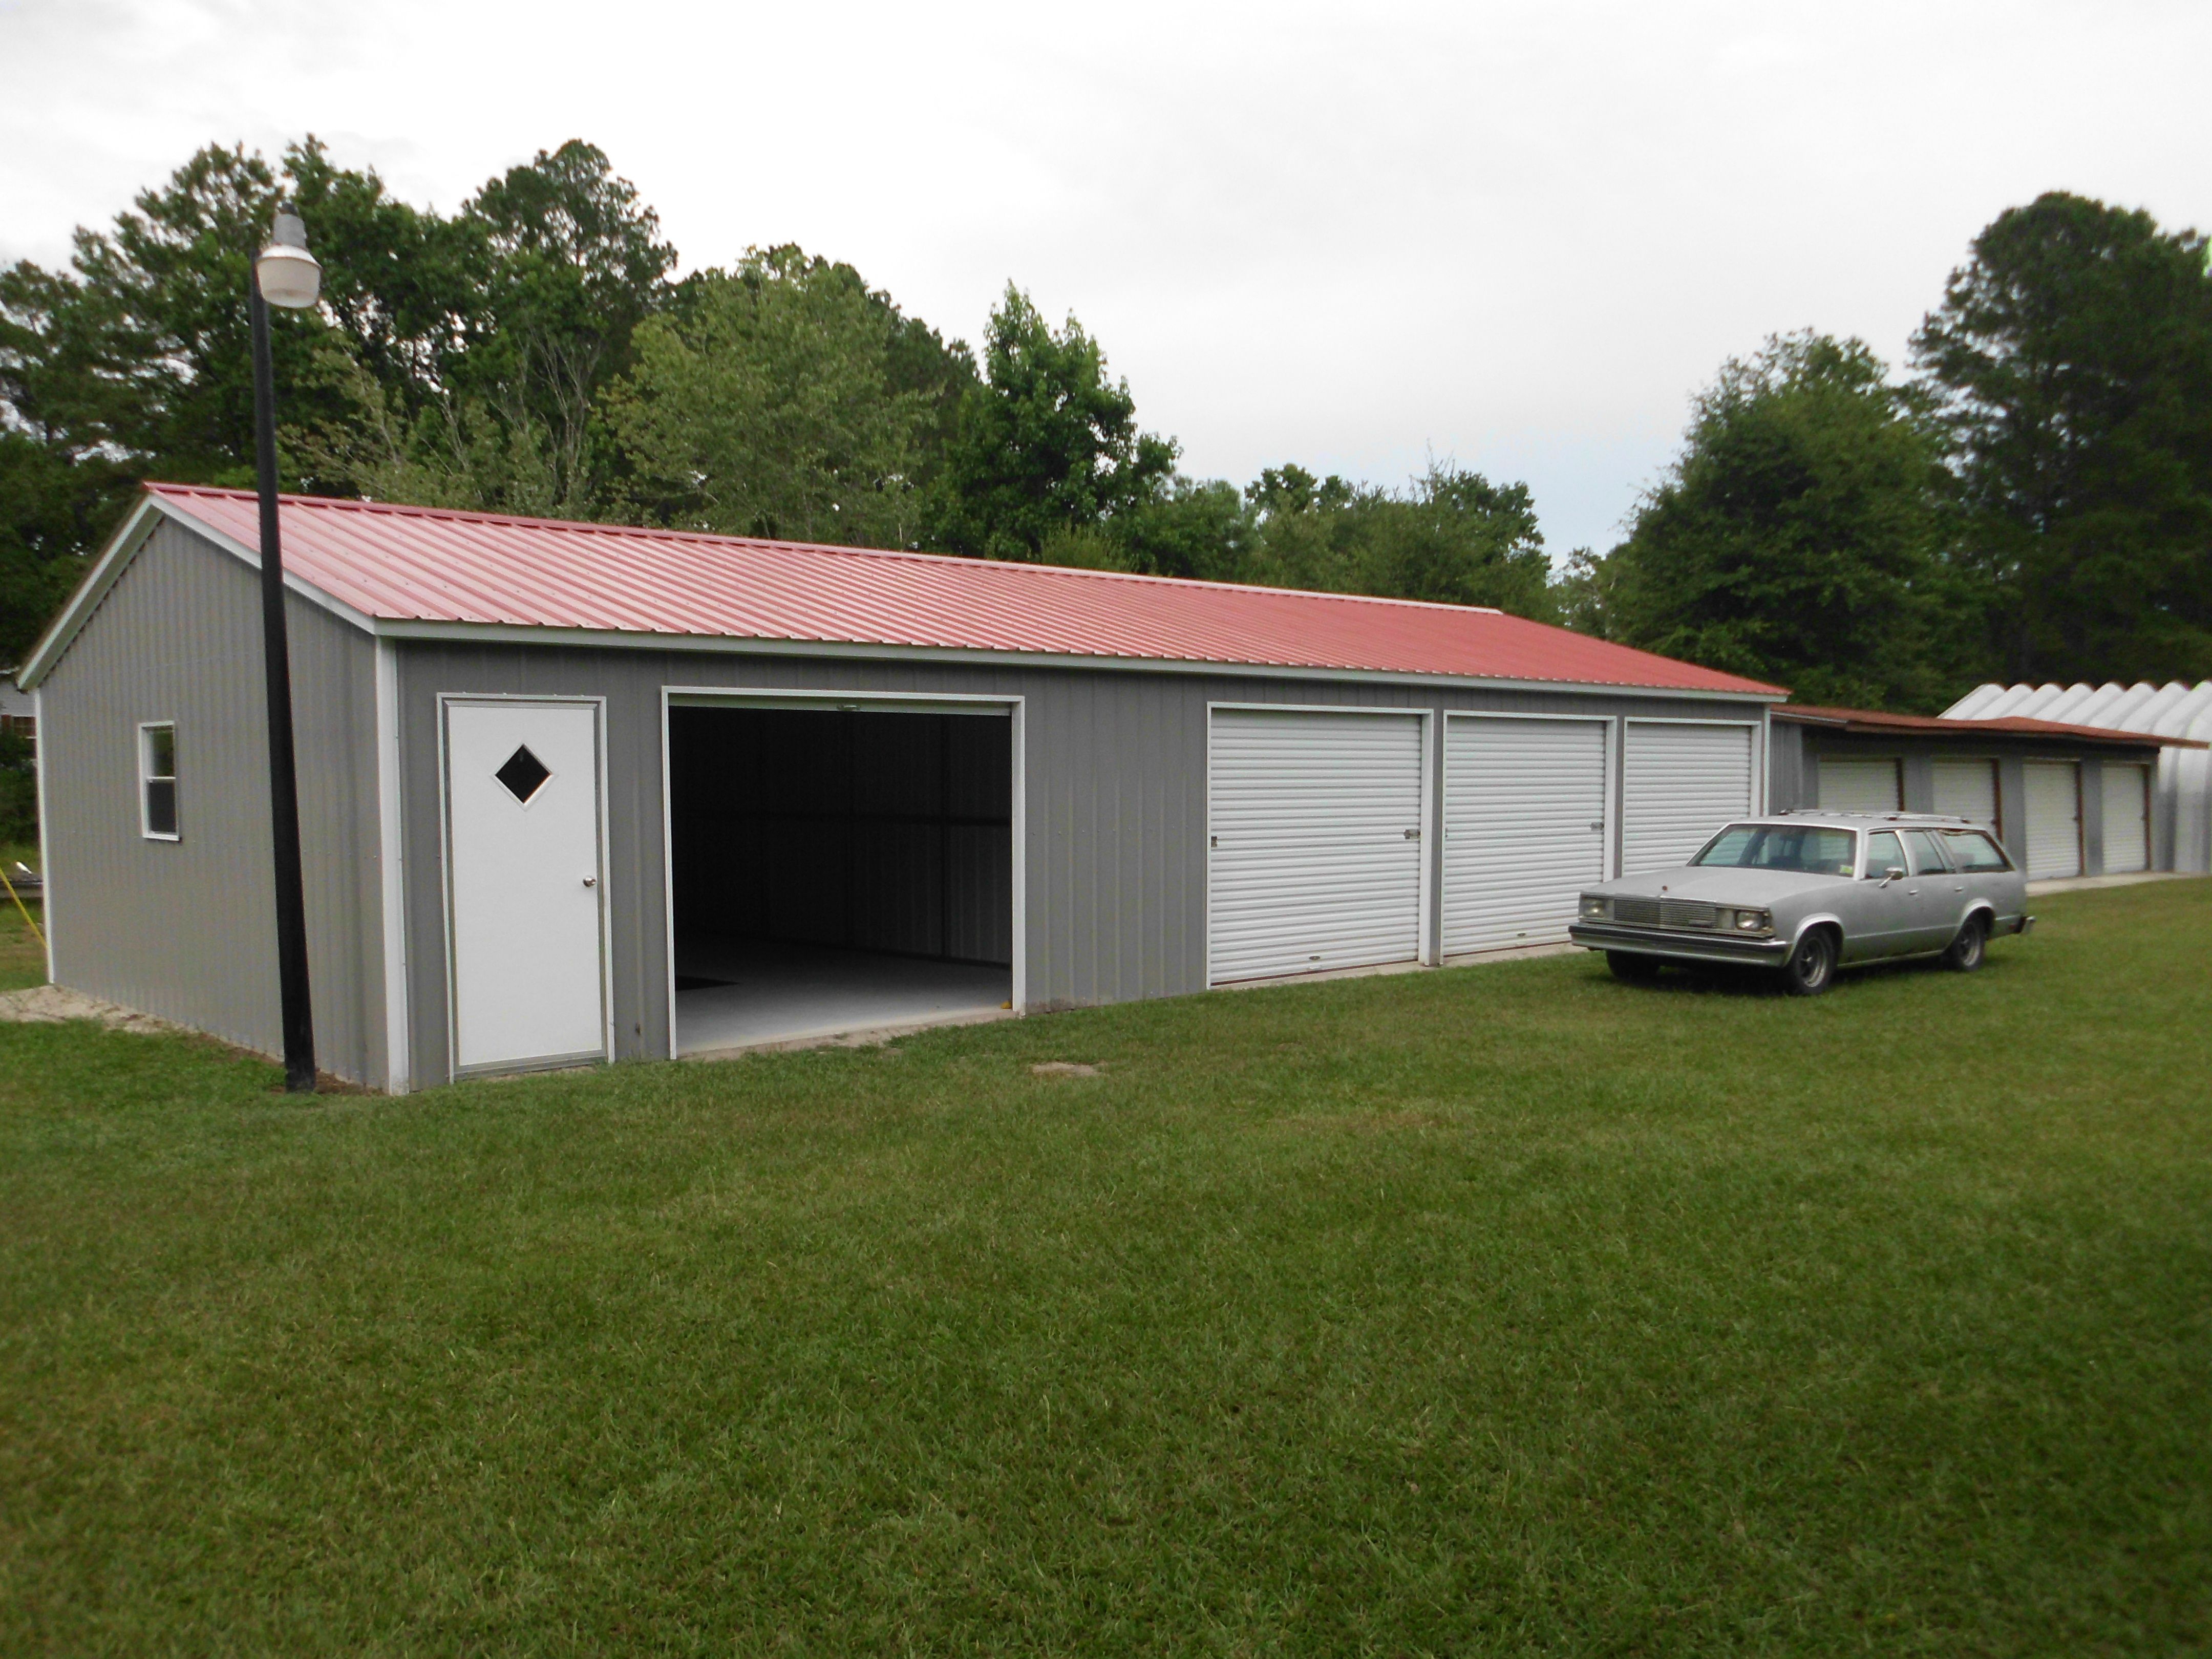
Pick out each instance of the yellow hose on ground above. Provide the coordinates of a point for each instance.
(25, 908)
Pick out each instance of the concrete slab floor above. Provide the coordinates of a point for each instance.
(741, 993)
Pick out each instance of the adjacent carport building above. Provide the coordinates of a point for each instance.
(575, 792)
(2066, 800)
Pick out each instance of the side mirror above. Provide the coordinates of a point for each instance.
(1892, 874)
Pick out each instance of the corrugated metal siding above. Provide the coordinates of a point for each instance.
(873, 831)
(186, 930)
(1115, 818)
(1314, 849)
(1679, 784)
(1525, 828)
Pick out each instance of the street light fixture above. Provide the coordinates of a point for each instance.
(284, 274)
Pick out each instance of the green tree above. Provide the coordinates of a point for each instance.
(532, 296)
(1798, 538)
(767, 402)
(2071, 360)
(1450, 537)
(1045, 445)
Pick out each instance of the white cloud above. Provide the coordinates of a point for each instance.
(1517, 235)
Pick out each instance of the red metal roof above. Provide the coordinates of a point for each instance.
(429, 565)
(1877, 722)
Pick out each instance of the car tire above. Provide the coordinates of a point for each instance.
(1966, 952)
(1811, 969)
(1632, 966)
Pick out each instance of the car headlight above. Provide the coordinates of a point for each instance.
(1596, 905)
(1754, 921)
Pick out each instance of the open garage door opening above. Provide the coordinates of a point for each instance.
(837, 870)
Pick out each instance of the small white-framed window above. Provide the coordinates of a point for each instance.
(157, 780)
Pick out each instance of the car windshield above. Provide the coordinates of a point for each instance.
(1803, 848)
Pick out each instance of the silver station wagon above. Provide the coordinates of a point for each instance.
(1807, 893)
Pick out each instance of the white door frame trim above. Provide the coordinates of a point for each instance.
(599, 706)
(399, 1028)
(1013, 706)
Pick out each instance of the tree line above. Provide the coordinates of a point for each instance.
(2033, 499)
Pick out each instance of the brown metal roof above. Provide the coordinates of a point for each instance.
(1875, 722)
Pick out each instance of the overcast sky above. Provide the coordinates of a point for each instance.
(1349, 235)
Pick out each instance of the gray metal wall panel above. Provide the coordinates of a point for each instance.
(1116, 809)
(1790, 780)
(2093, 815)
(186, 929)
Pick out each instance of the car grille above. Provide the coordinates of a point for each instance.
(1665, 912)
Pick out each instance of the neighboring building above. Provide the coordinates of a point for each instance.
(574, 791)
(2065, 799)
(18, 717)
(2182, 792)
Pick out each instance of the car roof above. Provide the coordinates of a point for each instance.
(1865, 820)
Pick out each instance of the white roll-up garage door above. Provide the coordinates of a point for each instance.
(2127, 819)
(2054, 819)
(1681, 781)
(1860, 786)
(1314, 851)
(1968, 789)
(1524, 828)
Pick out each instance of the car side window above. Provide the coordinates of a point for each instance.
(1927, 858)
(1972, 850)
(1883, 853)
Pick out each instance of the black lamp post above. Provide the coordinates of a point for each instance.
(285, 273)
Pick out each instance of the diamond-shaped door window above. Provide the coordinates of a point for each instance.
(524, 775)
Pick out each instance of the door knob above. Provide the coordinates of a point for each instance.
(591, 881)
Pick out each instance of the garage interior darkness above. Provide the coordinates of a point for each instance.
(837, 870)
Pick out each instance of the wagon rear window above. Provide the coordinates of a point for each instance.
(1803, 847)
(1972, 850)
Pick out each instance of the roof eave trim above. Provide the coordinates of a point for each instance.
(106, 570)
(115, 558)
(531, 634)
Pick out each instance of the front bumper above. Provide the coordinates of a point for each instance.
(1679, 944)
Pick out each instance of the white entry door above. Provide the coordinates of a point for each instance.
(1681, 781)
(2054, 819)
(1524, 828)
(1314, 841)
(526, 889)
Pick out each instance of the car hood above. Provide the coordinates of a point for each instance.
(1721, 886)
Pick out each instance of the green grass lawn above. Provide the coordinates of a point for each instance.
(1507, 1310)
(22, 958)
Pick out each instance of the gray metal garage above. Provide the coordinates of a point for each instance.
(574, 791)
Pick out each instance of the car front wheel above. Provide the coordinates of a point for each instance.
(1967, 950)
(1812, 966)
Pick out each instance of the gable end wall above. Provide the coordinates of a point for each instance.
(186, 929)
